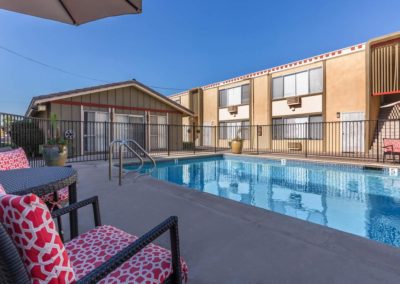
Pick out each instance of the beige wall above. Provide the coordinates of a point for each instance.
(261, 107)
(261, 111)
(345, 85)
(210, 106)
(297, 69)
(309, 104)
(243, 113)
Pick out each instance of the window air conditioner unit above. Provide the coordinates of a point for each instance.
(41, 108)
(233, 110)
(293, 101)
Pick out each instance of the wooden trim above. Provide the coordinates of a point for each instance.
(301, 96)
(378, 44)
(64, 102)
(300, 115)
(386, 93)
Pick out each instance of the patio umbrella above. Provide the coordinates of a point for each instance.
(73, 12)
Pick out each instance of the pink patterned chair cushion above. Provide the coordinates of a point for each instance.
(28, 221)
(391, 145)
(14, 159)
(151, 265)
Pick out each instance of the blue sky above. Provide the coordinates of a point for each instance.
(180, 44)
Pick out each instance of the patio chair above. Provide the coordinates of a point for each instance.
(391, 147)
(17, 159)
(31, 249)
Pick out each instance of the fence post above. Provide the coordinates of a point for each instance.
(377, 140)
(168, 139)
(105, 140)
(257, 126)
(215, 139)
(307, 138)
(194, 138)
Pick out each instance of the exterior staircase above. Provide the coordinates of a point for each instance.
(388, 127)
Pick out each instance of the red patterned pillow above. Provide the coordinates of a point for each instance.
(14, 159)
(29, 223)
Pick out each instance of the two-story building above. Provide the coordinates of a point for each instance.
(357, 83)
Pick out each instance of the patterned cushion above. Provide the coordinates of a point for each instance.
(151, 265)
(392, 145)
(29, 223)
(14, 159)
(63, 195)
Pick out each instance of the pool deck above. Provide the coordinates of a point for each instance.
(224, 241)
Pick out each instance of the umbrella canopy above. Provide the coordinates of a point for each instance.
(73, 12)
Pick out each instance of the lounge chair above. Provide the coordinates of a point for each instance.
(32, 251)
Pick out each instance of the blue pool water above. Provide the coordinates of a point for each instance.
(365, 202)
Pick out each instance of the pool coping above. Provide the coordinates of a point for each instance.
(331, 162)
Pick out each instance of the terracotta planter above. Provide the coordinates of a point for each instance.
(53, 157)
(236, 146)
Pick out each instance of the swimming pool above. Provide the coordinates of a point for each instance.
(361, 201)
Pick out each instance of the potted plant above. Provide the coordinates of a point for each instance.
(55, 151)
(237, 144)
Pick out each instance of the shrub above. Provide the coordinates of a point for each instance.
(28, 135)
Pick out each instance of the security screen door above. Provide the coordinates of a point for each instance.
(352, 132)
(207, 134)
(158, 132)
(95, 131)
(129, 127)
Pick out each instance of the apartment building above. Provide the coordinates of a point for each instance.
(357, 83)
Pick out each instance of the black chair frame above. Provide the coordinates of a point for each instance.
(12, 269)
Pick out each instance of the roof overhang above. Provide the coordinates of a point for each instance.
(81, 92)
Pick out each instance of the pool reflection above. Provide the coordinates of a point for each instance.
(365, 203)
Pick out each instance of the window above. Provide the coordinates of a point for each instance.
(302, 83)
(289, 86)
(277, 88)
(245, 94)
(230, 130)
(277, 128)
(309, 127)
(316, 127)
(177, 100)
(223, 98)
(316, 81)
(234, 96)
(296, 128)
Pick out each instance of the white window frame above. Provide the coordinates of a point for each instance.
(286, 95)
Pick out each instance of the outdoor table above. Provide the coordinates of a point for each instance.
(42, 181)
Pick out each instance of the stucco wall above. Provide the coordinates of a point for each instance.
(210, 106)
(345, 85)
(309, 104)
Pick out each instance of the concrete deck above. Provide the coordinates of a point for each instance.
(224, 241)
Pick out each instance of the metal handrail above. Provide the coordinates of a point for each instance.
(124, 143)
(144, 152)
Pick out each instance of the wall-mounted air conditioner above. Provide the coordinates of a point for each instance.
(293, 101)
(233, 110)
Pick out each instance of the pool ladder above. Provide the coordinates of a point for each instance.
(126, 144)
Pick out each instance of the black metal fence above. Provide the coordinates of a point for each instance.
(89, 141)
